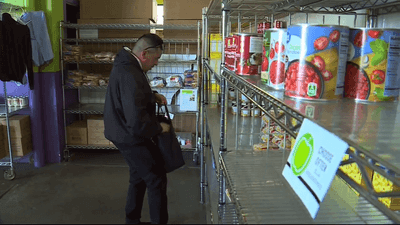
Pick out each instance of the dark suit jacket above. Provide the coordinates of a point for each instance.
(16, 51)
(130, 107)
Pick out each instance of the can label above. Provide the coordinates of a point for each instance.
(278, 24)
(317, 61)
(265, 55)
(277, 59)
(226, 51)
(373, 72)
(261, 27)
(249, 55)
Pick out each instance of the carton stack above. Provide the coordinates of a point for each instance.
(21, 136)
(3, 139)
(115, 12)
(95, 128)
(77, 133)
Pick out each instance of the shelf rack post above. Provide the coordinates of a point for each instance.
(202, 103)
(8, 129)
(224, 101)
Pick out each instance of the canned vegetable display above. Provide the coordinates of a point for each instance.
(317, 61)
(372, 69)
(249, 54)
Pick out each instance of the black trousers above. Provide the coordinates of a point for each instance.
(146, 172)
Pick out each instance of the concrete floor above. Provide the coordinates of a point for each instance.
(91, 188)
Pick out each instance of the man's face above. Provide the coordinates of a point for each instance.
(151, 58)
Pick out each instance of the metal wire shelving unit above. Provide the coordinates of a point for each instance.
(363, 152)
(179, 55)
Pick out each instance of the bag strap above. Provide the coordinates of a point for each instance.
(166, 110)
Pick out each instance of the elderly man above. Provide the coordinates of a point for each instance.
(130, 123)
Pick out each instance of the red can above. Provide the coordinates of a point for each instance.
(261, 27)
(230, 53)
(278, 24)
(234, 49)
(226, 51)
(249, 54)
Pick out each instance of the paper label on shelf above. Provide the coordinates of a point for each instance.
(188, 100)
(312, 164)
(89, 33)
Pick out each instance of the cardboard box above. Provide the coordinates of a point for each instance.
(115, 9)
(77, 133)
(3, 152)
(181, 34)
(20, 146)
(183, 9)
(96, 123)
(20, 125)
(97, 138)
(184, 123)
(112, 33)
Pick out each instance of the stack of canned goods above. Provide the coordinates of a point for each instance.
(17, 101)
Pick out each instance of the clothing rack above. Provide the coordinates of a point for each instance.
(10, 173)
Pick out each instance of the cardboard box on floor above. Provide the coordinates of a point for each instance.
(20, 126)
(115, 9)
(184, 123)
(20, 146)
(77, 133)
(184, 9)
(112, 33)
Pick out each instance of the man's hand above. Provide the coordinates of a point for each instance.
(160, 99)
(165, 127)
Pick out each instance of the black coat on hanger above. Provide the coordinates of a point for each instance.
(16, 51)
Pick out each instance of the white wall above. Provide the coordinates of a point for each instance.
(389, 21)
(345, 20)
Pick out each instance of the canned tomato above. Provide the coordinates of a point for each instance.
(261, 27)
(277, 59)
(9, 101)
(226, 51)
(249, 54)
(265, 55)
(244, 99)
(234, 109)
(317, 61)
(372, 68)
(279, 24)
(245, 111)
(255, 111)
(15, 101)
(230, 54)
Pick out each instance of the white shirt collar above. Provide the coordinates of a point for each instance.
(130, 51)
(140, 63)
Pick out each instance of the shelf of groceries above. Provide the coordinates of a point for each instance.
(80, 79)
(261, 194)
(343, 79)
(98, 109)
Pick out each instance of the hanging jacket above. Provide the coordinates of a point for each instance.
(42, 52)
(130, 107)
(15, 41)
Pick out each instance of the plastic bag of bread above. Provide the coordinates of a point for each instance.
(158, 82)
(190, 78)
(174, 81)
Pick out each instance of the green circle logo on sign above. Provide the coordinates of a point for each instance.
(302, 153)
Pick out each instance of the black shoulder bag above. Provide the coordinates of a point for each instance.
(168, 144)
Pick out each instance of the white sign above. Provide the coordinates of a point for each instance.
(312, 164)
(188, 100)
(89, 33)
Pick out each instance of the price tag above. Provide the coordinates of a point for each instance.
(312, 164)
